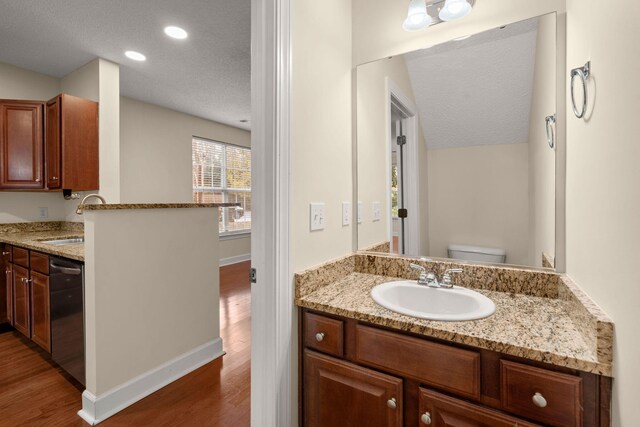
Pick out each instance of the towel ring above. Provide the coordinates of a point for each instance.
(583, 73)
(549, 122)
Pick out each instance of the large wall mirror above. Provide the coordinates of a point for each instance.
(456, 148)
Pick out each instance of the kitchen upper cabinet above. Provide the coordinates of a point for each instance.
(71, 143)
(21, 150)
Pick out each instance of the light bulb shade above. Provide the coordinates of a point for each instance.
(417, 16)
(454, 9)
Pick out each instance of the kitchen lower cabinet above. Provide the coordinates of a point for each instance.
(341, 394)
(40, 311)
(358, 374)
(21, 300)
(6, 285)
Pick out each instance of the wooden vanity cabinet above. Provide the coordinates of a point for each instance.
(71, 143)
(436, 383)
(21, 153)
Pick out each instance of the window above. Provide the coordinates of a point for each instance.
(222, 174)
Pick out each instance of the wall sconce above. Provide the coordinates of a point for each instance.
(421, 15)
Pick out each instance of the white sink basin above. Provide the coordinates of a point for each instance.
(452, 304)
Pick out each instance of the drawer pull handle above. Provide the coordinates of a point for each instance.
(391, 403)
(426, 418)
(320, 336)
(539, 400)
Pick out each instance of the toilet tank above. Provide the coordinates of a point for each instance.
(477, 253)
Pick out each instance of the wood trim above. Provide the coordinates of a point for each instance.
(273, 344)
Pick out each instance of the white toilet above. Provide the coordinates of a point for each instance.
(477, 253)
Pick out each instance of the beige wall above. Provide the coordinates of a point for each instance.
(542, 183)
(374, 150)
(472, 204)
(321, 130)
(155, 157)
(603, 195)
(181, 301)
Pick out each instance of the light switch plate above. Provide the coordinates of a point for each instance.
(360, 212)
(316, 216)
(346, 213)
(377, 211)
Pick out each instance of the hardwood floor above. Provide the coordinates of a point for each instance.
(35, 392)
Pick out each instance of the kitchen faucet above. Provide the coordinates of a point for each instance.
(84, 199)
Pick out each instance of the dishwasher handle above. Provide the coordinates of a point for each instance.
(66, 270)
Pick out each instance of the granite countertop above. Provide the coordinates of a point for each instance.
(107, 207)
(33, 239)
(559, 330)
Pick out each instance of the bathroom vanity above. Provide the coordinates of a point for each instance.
(541, 359)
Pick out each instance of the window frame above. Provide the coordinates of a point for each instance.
(224, 190)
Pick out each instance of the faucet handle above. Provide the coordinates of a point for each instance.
(420, 268)
(446, 278)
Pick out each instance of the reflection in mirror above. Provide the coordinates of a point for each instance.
(453, 158)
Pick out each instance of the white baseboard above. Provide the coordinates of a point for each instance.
(96, 409)
(234, 259)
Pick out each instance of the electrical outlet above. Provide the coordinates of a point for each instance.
(43, 213)
(377, 211)
(316, 217)
(360, 212)
(346, 213)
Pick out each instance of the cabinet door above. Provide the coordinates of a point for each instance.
(40, 311)
(21, 147)
(340, 394)
(9, 292)
(439, 410)
(52, 144)
(21, 296)
(5, 284)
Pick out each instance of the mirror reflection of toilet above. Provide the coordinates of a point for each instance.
(477, 253)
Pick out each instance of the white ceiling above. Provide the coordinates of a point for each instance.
(476, 91)
(207, 75)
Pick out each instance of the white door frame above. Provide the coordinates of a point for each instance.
(272, 308)
(410, 168)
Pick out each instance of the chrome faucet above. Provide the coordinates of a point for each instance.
(430, 279)
(84, 199)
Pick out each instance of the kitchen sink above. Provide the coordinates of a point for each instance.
(424, 302)
(60, 242)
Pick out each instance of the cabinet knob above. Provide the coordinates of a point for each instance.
(319, 336)
(37, 179)
(391, 403)
(54, 178)
(426, 418)
(539, 400)
(5, 253)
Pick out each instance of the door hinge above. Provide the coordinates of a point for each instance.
(253, 276)
(402, 213)
(401, 140)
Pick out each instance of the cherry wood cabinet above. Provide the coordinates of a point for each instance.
(49, 146)
(21, 150)
(40, 311)
(21, 300)
(71, 143)
(346, 380)
(6, 285)
(338, 393)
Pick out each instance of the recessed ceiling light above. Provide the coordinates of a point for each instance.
(136, 56)
(175, 32)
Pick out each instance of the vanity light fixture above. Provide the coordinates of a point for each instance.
(417, 16)
(176, 32)
(454, 9)
(136, 56)
(423, 13)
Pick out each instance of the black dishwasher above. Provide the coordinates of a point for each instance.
(66, 287)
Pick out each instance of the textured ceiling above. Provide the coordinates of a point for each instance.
(476, 91)
(207, 75)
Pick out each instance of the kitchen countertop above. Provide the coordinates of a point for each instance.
(541, 328)
(119, 206)
(33, 240)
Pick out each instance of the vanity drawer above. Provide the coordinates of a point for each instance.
(545, 396)
(39, 262)
(21, 257)
(324, 334)
(447, 368)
